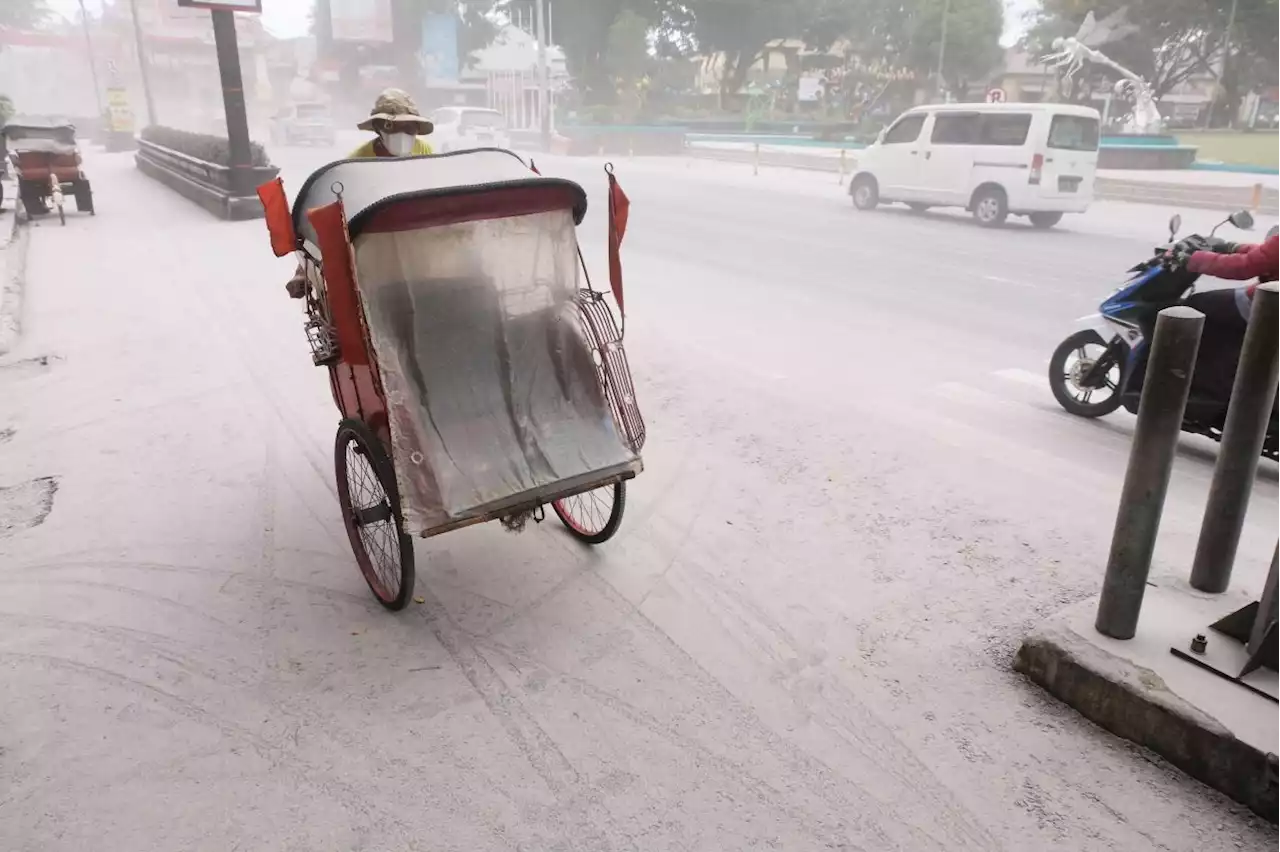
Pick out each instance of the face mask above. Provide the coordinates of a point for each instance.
(398, 144)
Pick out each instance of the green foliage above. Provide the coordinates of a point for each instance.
(22, 14)
(7, 109)
(202, 146)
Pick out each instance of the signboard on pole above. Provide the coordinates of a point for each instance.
(120, 117)
(360, 20)
(997, 96)
(223, 5)
(440, 48)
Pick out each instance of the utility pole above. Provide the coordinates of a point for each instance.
(942, 44)
(224, 42)
(144, 68)
(1222, 68)
(93, 62)
(544, 76)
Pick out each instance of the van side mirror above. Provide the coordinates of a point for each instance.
(1175, 225)
(1242, 219)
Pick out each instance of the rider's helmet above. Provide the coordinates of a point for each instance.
(395, 119)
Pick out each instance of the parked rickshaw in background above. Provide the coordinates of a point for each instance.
(46, 164)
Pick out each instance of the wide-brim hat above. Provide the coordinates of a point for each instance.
(395, 106)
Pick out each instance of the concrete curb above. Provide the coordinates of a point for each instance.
(13, 271)
(1221, 198)
(1134, 703)
(217, 202)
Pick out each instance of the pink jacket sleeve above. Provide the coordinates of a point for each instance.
(1256, 261)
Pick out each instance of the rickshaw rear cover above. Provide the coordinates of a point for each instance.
(493, 394)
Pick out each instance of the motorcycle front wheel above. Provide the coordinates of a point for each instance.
(1072, 361)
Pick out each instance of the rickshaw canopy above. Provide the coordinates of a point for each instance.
(436, 189)
(39, 133)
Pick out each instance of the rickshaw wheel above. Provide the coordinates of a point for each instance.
(370, 505)
(593, 516)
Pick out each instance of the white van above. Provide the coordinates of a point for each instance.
(1036, 160)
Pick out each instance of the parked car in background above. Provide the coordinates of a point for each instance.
(1034, 160)
(303, 123)
(461, 128)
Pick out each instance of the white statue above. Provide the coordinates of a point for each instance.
(1070, 55)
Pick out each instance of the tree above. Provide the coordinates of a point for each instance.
(741, 30)
(21, 14)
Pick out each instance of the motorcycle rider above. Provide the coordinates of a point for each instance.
(1226, 310)
(399, 128)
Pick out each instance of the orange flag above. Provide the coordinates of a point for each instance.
(279, 219)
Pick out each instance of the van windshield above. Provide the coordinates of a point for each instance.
(1074, 133)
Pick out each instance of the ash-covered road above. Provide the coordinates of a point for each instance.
(859, 494)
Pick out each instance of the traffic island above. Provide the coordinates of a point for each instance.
(1221, 732)
(208, 182)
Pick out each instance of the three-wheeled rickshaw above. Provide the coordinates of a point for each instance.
(478, 375)
(46, 164)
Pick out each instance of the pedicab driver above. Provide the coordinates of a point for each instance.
(400, 129)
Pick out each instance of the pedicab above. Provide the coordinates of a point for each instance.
(46, 164)
(478, 374)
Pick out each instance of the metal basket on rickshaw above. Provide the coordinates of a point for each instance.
(478, 375)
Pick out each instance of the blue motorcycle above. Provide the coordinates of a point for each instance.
(1092, 375)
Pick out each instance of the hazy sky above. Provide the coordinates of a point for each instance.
(288, 18)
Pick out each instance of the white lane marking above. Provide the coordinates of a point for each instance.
(1024, 377)
(997, 279)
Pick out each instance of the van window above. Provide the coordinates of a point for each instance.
(955, 128)
(1074, 133)
(906, 130)
(1004, 128)
(483, 118)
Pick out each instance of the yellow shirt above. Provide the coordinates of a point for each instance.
(420, 148)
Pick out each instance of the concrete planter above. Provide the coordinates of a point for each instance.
(208, 184)
(587, 141)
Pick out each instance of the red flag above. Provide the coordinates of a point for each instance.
(534, 167)
(619, 212)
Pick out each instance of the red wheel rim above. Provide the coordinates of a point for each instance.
(588, 513)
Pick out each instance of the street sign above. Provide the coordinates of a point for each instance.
(223, 5)
(997, 96)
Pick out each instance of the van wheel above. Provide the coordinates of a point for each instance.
(865, 192)
(1045, 220)
(990, 207)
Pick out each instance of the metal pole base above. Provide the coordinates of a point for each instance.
(1146, 481)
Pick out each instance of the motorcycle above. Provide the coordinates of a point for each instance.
(1092, 375)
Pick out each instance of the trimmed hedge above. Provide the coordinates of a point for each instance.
(202, 146)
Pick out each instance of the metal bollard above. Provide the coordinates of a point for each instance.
(1146, 481)
(1252, 396)
(755, 169)
(843, 165)
(1255, 203)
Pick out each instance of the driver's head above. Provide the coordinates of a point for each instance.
(396, 121)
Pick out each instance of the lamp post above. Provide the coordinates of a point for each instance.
(942, 43)
(93, 62)
(1222, 69)
(144, 69)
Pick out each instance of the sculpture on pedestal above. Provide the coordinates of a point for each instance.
(1070, 55)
